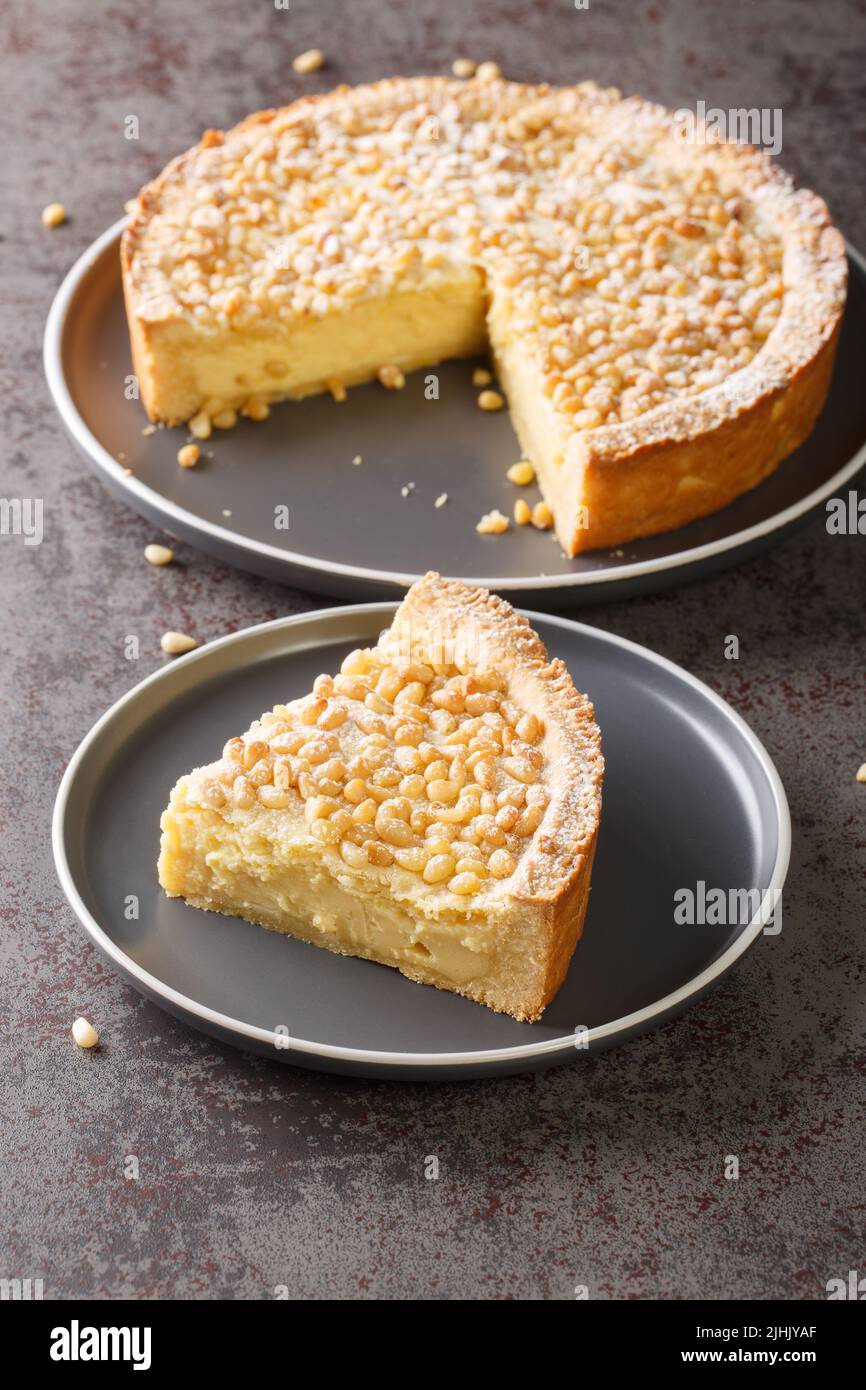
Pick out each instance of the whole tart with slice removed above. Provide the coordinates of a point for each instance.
(662, 312)
(434, 807)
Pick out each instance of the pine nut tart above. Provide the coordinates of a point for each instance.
(434, 807)
(661, 314)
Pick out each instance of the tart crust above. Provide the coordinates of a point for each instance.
(512, 176)
(508, 944)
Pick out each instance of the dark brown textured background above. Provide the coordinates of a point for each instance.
(608, 1174)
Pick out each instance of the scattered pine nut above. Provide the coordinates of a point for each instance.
(149, 429)
(861, 773)
(521, 473)
(542, 516)
(492, 524)
(189, 455)
(158, 554)
(199, 425)
(481, 377)
(488, 72)
(84, 1033)
(54, 215)
(522, 512)
(256, 409)
(391, 377)
(357, 460)
(225, 419)
(309, 61)
(176, 643)
(463, 67)
(441, 499)
(407, 489)
(491, 400)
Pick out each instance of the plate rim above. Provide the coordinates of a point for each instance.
(172, 514)
(246, 1033)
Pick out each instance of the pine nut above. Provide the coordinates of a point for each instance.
(437, 869)
(200, 426)
(464, 884)
(357, 663)
(378, 854)
(353, 855)
(528, 728)
(84, 1033)
(243, 794)
(365, 813)
(414, 859)
(522, 473)
(158, 554)
(501, 864)
(274, 798)
(176, 643)
(394, 832)
(309, 61)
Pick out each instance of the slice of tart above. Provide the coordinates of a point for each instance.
(434, 807)
(662, 312)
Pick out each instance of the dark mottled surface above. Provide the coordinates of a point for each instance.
(254, 1175)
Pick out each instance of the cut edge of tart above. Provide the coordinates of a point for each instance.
(662, 315)
(433, 807)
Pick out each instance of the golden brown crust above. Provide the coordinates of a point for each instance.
(553, 879)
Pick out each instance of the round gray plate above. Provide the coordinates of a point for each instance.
(351, 532)
(690, 795)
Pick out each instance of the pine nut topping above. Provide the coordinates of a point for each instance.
(522, 512)
(491, 400)
(190, 454)
(54, 215)
(651, 285)
(402, 760)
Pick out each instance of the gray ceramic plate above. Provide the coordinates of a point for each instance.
(690, 795)
(347, 531)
